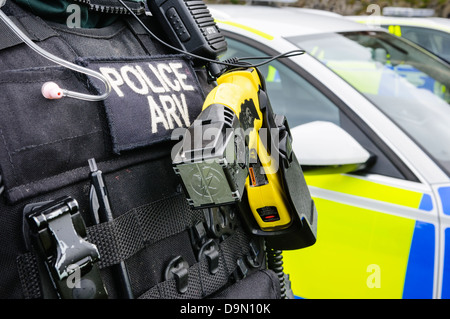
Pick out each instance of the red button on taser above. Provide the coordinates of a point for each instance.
(268, 213)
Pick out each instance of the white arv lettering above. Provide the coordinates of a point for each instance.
(168, 114)
(169, 107)
(182, 108)
(156, 115)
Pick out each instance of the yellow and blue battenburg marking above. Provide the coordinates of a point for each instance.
(444, 194)
(353, 243)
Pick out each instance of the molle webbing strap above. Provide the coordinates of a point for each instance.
(29, 276)
(126, 235)
(201, 282)
(122, 237)
(129, 233)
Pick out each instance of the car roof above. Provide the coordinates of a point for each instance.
(429, 22)
(284, 21)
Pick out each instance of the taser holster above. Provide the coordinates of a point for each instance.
(248, 161)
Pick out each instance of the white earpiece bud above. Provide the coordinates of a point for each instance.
(51, 91)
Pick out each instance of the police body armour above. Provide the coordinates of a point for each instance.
(46, 152)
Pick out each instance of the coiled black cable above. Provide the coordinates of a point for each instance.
(275, 263)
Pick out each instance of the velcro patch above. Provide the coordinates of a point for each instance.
(150, 97)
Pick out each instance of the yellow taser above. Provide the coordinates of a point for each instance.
(236, 123)
(238, 90)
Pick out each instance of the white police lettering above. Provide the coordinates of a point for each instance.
(114, 79)
(153, 87)
(140, 88)
(164, 84)
(159, 77)
(164, 70)
(181, 76)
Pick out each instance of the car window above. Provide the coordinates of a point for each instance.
(408, 84)
(292, 95)
(433, 40)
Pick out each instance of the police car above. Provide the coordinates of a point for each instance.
(369, 116)
(417, 25)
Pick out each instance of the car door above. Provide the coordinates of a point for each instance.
(378, 230)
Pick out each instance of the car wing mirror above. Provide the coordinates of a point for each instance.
(325, 148)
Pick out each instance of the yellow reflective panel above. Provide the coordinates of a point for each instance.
(359, 253)
(271, 74)
(357, 186)
(391, 29)
(364, 76)
(396, 30)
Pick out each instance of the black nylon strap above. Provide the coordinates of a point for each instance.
(126, 235)
(29, 276)
(201, 282)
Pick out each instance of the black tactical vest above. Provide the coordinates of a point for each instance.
(165, 249)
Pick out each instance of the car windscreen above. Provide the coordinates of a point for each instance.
(435, 41)
(407, 83)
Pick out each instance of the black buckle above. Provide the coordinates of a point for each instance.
(59, 236)
(252, 260)
(211, 251)
(254, 255)
(241, 269)
(205, 247)
(178, 270)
